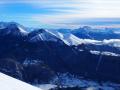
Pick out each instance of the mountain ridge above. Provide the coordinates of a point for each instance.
(40, 61)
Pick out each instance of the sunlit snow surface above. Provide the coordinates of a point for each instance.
(9, 83)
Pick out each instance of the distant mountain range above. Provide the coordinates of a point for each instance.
(40, 55)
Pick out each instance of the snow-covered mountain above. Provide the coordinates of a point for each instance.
(96, 33)
(38, 56)
(12, 28)
(70, 39)
(67, 38)
(42, 35)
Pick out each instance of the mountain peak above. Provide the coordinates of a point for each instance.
(12, 28)
(42, 35)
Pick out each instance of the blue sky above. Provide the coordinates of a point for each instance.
(62, 13)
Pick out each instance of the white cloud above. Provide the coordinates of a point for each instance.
(66, 11)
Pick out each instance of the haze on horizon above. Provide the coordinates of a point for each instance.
(60, 14)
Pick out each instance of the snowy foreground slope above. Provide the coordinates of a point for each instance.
(9, 83)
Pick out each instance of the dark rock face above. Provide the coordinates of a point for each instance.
(40, 61)
(11, 67)
(37, 72)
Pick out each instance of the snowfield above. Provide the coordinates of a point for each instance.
(9, 83)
